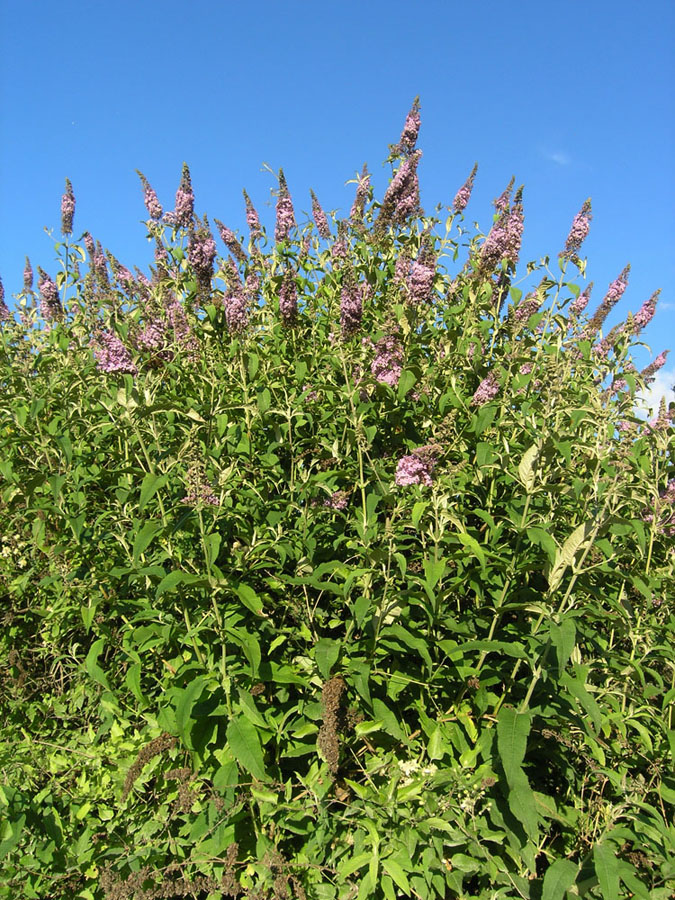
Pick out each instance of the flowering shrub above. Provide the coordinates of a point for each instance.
(335, 566)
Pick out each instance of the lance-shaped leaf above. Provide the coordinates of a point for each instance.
(567, 553)
(526, 469)
(513, 729)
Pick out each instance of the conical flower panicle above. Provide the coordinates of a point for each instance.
(646, 312)
(411, 128)
(201, 253)
(387, 363)
(420, 279)
(614, 294)
(28, 276)
(402, 198)
(362, 189)
(50, 302)
(320, 217)
(288, 298)
(504, 238)
(4, 309)
(487, 390)
(463, 195)
(152, 204)
(285, 214)
(579, 304)
(252, 219)
(185, 201)
(112, 356)
(581, 225)
(649, 371)
(67, 209)
(229, 238)
(351, 303)
(502, 203)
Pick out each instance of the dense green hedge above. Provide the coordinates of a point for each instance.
(336, 567)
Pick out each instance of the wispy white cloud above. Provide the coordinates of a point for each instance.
(559, 157)
(647, 402)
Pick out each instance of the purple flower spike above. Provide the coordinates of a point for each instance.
(236, 312)
(185, 200)
(201, 253)
(501, 204)
(252, 219)
(67, 209)
(28, 276)
(614, 294)
(320, 218)
(649, 371)
(152, 204)
(230, 240)
(50, 303)
(285, 214)
(4, 309)
(411, 129)
(463, 195)
(362, 188)
(112, 356)
(288, 299)
(416, 468)
(387, 364)
(487, 390)
(646, 312)
(504, 239)
(351, 304)
(581, 225)
(578, 305)
(402, 198)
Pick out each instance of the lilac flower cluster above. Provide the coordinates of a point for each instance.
(420, 279)
(387, 363)
(112, 356)
(487, 390)
(4, 309)
(646, 312)
(320, 217)
(230, 240)
(339, 248)
(362, 188)
(152, 204)
(416, 468)
(152, 337)
(338, 500)
(199, 491)
(201, 253)
(614, 294)
(67, 209)
(285, 215)
(252, 219)
(502, 203)
(526, 368)
(178, 322)
(463, 195)
(402, 197)
(649, 371)
(236, 311)
(579, 304)
(50, 303)
(504, 238)
(411, 128)
(185, 201)
(351, 303)
(527, 308)
(581, 225)
(664, 511)
(28, 276)
(288, 299)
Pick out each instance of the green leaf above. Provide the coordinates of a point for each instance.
(91, 664)
(405, 383)
(544, 540)
(579, 692)
(212, 547)
(185, 704)
(567, 553)
(513, 729)
(149, 487)
(396, 873)
(326, 652)
(169, 582)
(250, 599)
(434, 570)
(244, 743)
(559, 878)
(563, 637)
(143, 538)
(418, 512)
(526, 469)
(389, 720)
(607, 869)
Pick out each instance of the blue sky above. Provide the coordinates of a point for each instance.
(573, 98)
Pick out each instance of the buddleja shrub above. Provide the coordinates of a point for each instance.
(336, 567)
